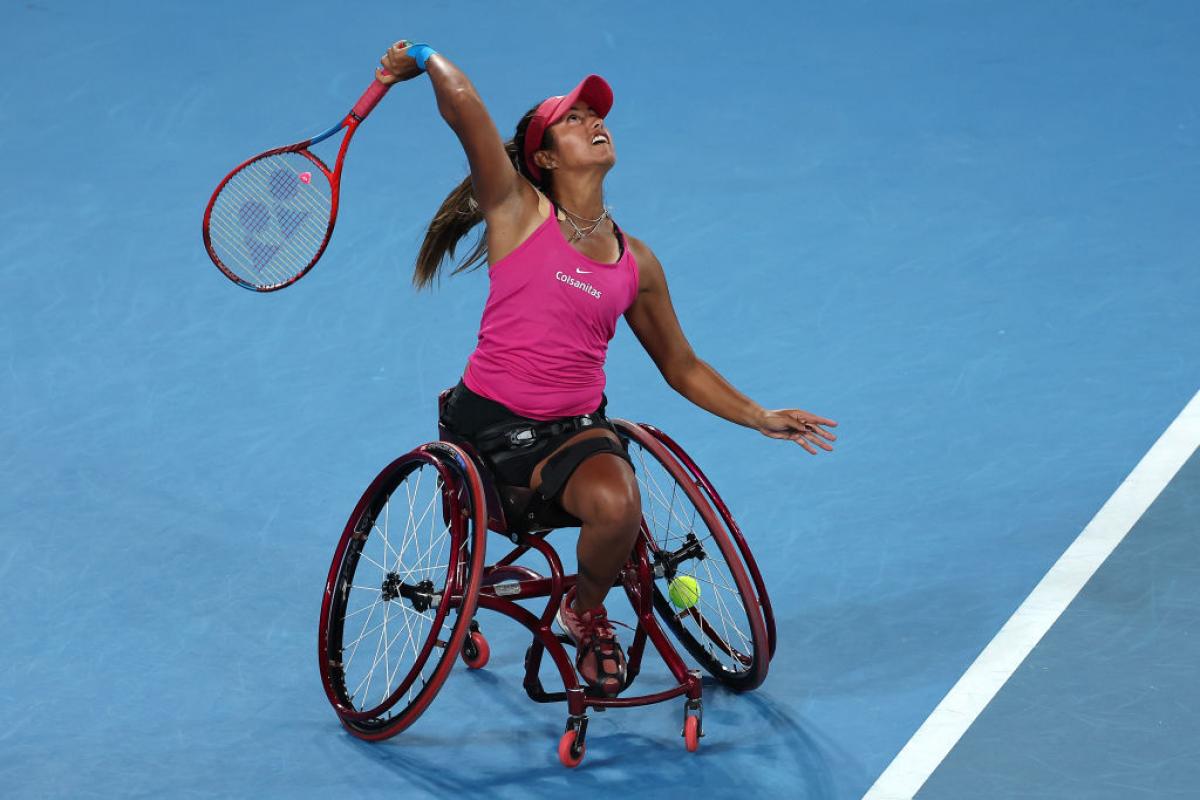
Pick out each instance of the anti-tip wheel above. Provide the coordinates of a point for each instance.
(691, 734)
(571, 749)
(476, 651)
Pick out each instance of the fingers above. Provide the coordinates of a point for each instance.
(824, 434)
(393, 67)
(809, 419)
(809, 425)
(803, 443)
(802, 428)
(805, 438)
(391, 61)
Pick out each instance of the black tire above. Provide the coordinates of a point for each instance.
(725, 630)
(748, 560)
(408, 566)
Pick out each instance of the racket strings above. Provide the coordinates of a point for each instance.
(271, 219)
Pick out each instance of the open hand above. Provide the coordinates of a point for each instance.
(801, 427)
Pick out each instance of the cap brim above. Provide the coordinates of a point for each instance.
(592, 90)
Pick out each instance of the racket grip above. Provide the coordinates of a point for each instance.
(370, 98)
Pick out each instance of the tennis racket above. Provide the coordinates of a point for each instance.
(270, 220)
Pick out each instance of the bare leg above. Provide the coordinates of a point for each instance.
(603, 494)
(601, 497)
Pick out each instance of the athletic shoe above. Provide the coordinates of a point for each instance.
(598, 655)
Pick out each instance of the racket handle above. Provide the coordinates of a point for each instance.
(370, 98)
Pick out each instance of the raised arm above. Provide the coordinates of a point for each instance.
(498, 189)
(653, 320)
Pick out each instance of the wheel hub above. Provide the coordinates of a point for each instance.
(391, 587)
(666, 562)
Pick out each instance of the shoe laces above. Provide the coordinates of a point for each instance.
(596, 626)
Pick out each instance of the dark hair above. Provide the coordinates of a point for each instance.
(459, 213)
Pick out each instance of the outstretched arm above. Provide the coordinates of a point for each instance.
(498, 189)
(653, 320)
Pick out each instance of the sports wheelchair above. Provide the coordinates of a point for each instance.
(409, 575)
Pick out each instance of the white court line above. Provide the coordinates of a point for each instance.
(933, 741)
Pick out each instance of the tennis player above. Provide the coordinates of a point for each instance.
(561, 273)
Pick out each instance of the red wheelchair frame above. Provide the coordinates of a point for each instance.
(470, 505)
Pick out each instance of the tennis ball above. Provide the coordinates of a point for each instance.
(684, 592)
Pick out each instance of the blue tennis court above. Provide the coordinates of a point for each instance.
(966, 231)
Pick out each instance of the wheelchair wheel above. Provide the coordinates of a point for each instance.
(748, 560)
(724, 630)
(402, 589)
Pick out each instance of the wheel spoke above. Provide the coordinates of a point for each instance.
(393, 598)
(717, 630)
(354, 644)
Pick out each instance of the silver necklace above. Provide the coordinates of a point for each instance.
(580, 233)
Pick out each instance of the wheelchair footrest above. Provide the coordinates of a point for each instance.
(533, 682)
(547, 697)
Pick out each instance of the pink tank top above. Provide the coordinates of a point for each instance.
(550, 314)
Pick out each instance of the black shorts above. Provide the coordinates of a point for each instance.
(467, 414)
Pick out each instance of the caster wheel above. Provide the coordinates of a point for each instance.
(476, 652)
(691, 733)
(569, 752)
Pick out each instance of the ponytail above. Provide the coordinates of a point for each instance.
(459, 213)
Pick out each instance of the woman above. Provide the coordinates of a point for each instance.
(562, 272)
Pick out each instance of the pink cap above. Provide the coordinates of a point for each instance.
(592, 90)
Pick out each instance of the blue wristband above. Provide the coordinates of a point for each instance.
(421, 53)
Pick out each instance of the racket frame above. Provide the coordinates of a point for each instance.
(370, 98)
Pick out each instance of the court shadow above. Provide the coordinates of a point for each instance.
(625, 762)
(760, 745)
(814, 761)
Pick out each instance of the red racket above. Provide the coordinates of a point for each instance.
(270, 220)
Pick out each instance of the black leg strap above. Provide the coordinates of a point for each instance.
(563, 464)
